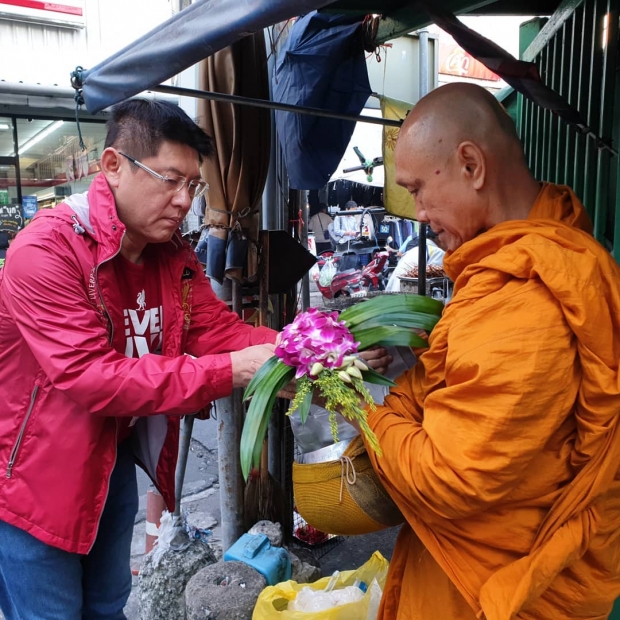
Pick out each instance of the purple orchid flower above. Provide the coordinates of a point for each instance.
(315, 336)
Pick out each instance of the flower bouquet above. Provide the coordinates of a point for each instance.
(320, 350)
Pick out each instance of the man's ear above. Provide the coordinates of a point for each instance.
(111, 161)
(472, 164)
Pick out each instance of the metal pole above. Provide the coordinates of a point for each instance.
(229, 427)
(304, 207)
(18, 172)
(422, 261)
(262, 103)
(270, 205)
(423, 42)
(186, 437)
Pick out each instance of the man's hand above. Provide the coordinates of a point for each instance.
(377, 358)
(289, 390)
(246, 362)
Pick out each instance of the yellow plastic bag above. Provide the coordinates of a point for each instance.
(273, 601)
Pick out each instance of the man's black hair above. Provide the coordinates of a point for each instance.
(139, 127)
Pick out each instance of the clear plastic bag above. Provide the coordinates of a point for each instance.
(276, 602)
(316, 432)
(309, 600)
(327, 273)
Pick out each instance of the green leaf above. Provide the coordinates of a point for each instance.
(388, 335)
(304, 407)
(412, 320)
(260, 375)
(259, 411)
(264, 425)
(385, 304)
(372, 376)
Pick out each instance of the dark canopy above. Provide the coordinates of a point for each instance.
(187, 38)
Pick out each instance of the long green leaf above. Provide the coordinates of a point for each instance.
(388, 335)
(385, 304)
(413, 320)
(259, 411)
(264, 424)
(259, 405)
(260, 376)
(372, 376)
(304, 407)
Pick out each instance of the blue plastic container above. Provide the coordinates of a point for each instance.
(256, 551)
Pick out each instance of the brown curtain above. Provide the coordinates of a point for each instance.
(237, 173)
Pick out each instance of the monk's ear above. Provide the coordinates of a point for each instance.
(472, 164)
(111, 161)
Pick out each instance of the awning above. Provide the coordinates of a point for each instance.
(190, 36)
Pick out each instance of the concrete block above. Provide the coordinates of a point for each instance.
(223, 591)
(303, 572)
(273, 531)
(161, 588)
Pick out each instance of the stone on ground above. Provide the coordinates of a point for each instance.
(273, 531)
(161, 588)
(303, 572)
(223, 591)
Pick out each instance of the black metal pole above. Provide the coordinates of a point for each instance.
(422, 261)
(18, 172)
(271, 105)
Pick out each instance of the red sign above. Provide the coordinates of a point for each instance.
(45, 6)
(454, 60)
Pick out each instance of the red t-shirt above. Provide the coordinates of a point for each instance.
(143, 315)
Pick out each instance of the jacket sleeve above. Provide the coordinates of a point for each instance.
(462, 426)
(215, 328)
(45, 294)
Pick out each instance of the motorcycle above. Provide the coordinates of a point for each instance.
(350, 282)
(374, 274)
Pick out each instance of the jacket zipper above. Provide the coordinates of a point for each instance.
(107, 493)
(22, 430)
(99, 288)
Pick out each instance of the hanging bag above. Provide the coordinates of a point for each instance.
(344, 497)
(325, 232)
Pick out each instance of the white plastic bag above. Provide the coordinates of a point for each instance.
(309, 600)
(328, 272)
(171, 534)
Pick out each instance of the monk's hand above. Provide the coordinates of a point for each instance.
(377, 358)
(421, 333)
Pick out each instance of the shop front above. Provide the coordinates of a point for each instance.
(41, 163)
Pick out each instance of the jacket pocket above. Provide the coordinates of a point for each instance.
(20, 436)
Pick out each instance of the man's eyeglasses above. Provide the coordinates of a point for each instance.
(195, 189)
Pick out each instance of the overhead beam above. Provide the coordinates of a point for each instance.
(413, 17)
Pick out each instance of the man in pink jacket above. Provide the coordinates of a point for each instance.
(100, 301)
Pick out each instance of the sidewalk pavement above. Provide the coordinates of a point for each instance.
(201, 497)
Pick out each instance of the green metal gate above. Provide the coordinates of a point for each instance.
(577, 55)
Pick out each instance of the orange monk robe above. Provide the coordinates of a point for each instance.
(502, 445)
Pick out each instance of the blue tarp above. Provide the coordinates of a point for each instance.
(321, 65)
(192, 35)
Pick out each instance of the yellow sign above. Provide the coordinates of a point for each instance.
(396, 199)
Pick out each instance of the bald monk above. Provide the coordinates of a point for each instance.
(502, 445)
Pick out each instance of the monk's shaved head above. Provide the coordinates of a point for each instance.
(457, 113)
(459, 155)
